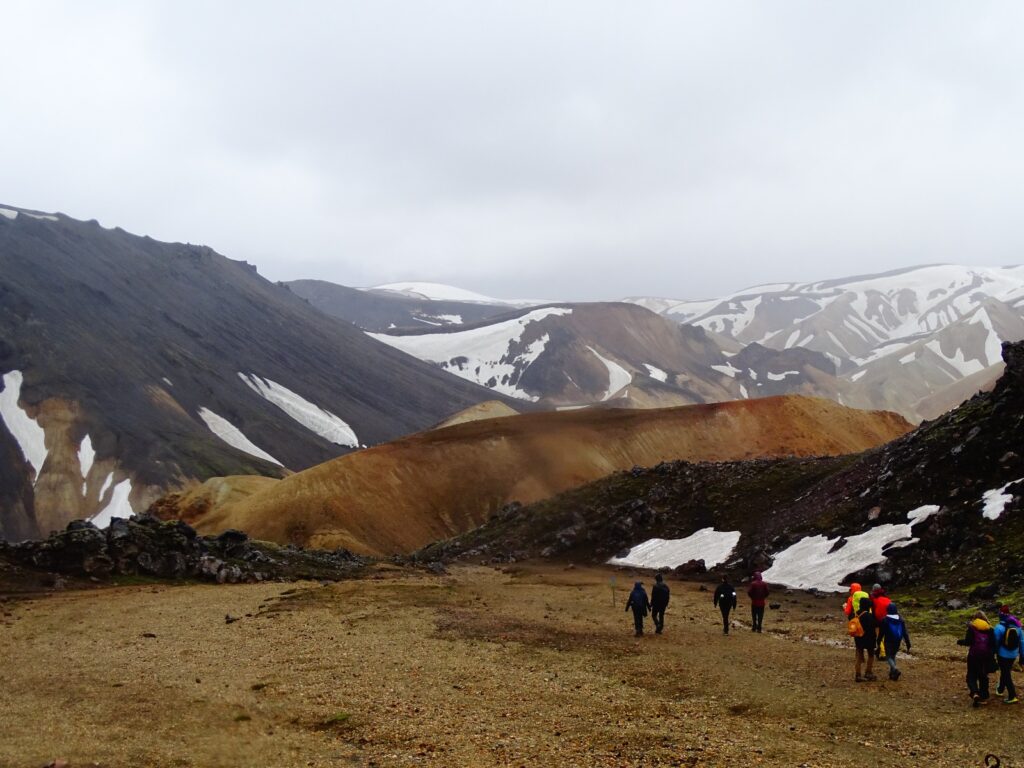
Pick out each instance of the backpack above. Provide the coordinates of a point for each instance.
(1011, 639)
(854, 627)
(895, 630)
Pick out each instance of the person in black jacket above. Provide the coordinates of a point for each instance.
(659, 602)
(725, 600)
(639, 603)
(865, 644)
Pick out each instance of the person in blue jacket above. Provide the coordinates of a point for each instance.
(1008, 650)
(893, 631)
(639, 603)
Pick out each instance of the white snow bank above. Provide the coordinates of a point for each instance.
(728, 369)
(26, 431)
(656, 373)
(964, 366)
(444, 292)
(105, 486)
(921, 514)
(481, 355)
(317, 420)
(118, 506)
(618, 377)
(7, 213)
(707, 544)
(996, 501)
(783, 375)
(86, 456)
(450, 319)
(808, 564)
(233, 436)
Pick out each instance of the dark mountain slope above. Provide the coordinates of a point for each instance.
(378, 310)
(955, 464)
(125, 339)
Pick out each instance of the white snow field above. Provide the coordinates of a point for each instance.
(707, 544)
(233, 436)
(444, 292)
(809, 564)
(118, 506)
(996, 501)
(86, 457)
(728, 369)
(105, 486)
(7, 213)
(481, 354)
(317, 420)
(26, 431)
(656, 373)
(618, 377)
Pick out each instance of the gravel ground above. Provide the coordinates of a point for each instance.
(481, 667)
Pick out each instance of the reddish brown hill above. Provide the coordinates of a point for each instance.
(402, 495)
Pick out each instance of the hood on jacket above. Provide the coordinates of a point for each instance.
(855, 587)
(891, 610)
(981, 625)
(757, 576)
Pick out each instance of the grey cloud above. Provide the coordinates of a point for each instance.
(577, 150)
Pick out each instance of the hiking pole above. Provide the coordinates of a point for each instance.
(611, 582)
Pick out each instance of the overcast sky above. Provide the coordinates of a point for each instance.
(577, 150)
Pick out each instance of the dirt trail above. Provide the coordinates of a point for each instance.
(478, 668)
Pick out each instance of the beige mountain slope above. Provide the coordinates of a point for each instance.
(401, 495)
(936, 404)
(489, 409)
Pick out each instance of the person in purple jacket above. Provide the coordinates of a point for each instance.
(981, 650)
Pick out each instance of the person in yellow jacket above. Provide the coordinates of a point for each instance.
(852, 606)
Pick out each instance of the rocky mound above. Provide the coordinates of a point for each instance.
(404, 494)
(951, 493)
(146, 546)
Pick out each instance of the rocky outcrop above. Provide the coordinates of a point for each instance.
(146, 546)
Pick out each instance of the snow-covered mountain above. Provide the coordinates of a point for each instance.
(896, 338)
(579, 354)
(130, 366)
(444, 292)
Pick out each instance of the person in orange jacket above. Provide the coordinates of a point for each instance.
(852, 606)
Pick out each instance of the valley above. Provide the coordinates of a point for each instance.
(530, 665)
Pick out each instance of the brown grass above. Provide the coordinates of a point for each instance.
(481, 668)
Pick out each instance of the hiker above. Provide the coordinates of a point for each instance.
(659, 602)
(1008, 650)
(882, 601)
(639, 603)
(725, 601)
(758, 594)
(981, 645)
(864, 639)
(852, 604)
(892, 631)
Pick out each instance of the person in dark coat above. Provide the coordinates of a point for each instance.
(659, 602)
(758, 594)
(892, 631)
(725, 601)
(865, 644)
(639, 603)
(981, 649)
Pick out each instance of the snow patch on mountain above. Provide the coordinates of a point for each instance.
(707, 544)
(118, 506)
(26, 431)
(995, 501)
(810, 563)
(655, 372)
(233, 436)
(782, 376)
(728, 369)
(482, 355)
(444, 292)
(7, 213)
(618, 377)
(962, 365)
(314, 418)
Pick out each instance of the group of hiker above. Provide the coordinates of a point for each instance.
(878, 631)
(724, 599)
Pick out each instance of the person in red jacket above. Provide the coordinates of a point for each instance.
(881, 601)
(758, 594)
